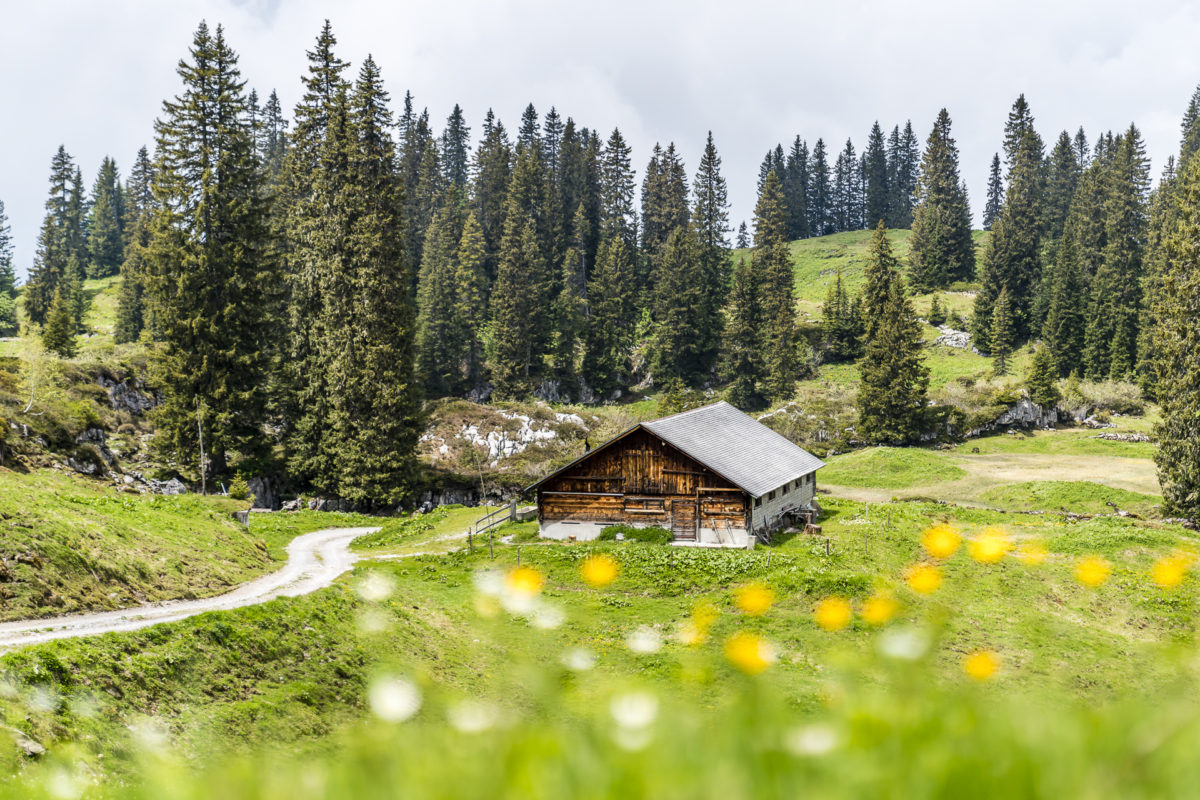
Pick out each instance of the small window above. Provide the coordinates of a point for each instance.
(758, 502)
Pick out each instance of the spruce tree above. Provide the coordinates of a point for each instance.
(492, 170)
(1002, 337)
(664, 198)
(773, 262)
(313, 187)
(710, 221)
(1012, 259)
(514, 359)
(455, 149)
(937, 311)
(1042, 379)
(795, 189)
(8, 279)
(611, 315)
(881, 273)
(1177, 318)
(742, 363)
(470, 304)
(60, 255)
(1114, 311)
(132, 315)
(616, 191)
(995, 194)
(891, 394)
(1063, 330)
(58, 335)
(743, 237)
(210, 270)
(370, 327)
(841, 323)
(105, 223)
(438, 352)
(820, 201)
(907, 177)
(878, 192)
(1190, 131)
(678, 309)
(941, 249)
(1062, 179)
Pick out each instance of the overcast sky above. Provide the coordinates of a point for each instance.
(92, 75)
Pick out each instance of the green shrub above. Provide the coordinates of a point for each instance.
(239, 489)
(651, 535)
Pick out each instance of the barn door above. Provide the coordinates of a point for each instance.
(683, 518)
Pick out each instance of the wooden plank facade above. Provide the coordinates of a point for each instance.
(639, 479)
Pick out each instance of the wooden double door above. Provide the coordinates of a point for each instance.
(683, 518)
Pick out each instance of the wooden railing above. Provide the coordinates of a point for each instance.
(507, 513)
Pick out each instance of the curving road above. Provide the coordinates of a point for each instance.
(315, 560)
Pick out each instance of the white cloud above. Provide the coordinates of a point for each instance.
(92, 75)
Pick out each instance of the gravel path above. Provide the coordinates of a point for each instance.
(315, 560)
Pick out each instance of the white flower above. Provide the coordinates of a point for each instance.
(376, 587)
(372, 620)
(394, 699)
(904, 644)
(489, 582)
(472, 716)
(634, 710)
(644, 640)
(547, 616)
(811, 740)
(578, 660)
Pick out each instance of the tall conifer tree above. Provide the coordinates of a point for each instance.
(941, 250)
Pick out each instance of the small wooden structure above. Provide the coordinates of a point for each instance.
(711, 475)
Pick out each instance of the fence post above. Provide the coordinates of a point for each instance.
(827, 545)
(491, 552)
(518, 555)
(512, 511)
(470, 540)
(769, 554)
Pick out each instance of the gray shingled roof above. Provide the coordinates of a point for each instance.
(736, 446)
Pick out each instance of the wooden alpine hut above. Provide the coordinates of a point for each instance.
(712, 475)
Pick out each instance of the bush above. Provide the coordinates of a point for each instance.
(239, 489)
(652, 535)
(1116, 397)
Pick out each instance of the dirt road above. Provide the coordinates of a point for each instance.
(315, 560)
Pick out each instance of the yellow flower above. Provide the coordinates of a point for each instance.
(754, 598)
(1092, 571)
(704, 615)
(879, 609)
(749, 652)
(923, 578)
(990, 546)
(941, 540)
(833, 613)
(690, 634)
(1168, 572)
(525, 581)
(599, 570)
(1032, 553)
(981, 665)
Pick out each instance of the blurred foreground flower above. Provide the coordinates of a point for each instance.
(1092, 571)
(811, 740)
(879, 608)
(376, 587)
(644, 640)
(833, 613)
(941, 540)
(599, 570)
(472, 716)
(1168, 572)
(394, 699)
(525, 581)
(578, 659)
(981, 665)
(634, 713)
(749, 652)
(990, 546)
(1031, 553)
(904, 644)
(923, 578)
(754, 599)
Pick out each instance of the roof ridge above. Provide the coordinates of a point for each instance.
(692, 411)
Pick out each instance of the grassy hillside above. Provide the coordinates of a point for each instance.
(493, 706)
(68, 544)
